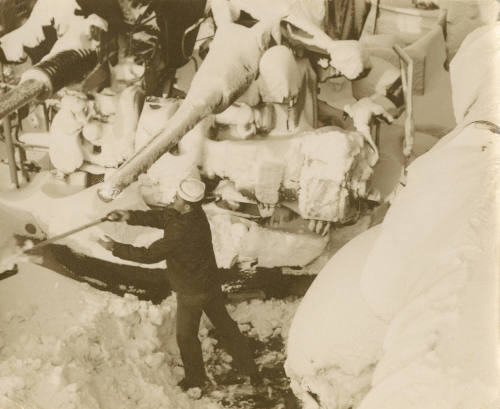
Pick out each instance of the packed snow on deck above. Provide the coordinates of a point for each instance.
(66, 345)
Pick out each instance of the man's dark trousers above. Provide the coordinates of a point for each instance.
(189, 310)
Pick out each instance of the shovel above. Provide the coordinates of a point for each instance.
(14, 270)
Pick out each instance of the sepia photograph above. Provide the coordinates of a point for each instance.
(249, 204)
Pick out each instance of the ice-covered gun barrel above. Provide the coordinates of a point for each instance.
(47, 77)
(182, 121)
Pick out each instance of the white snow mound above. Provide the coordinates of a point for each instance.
(337, 363)
(440, 292)
(66, 345)
(431, 278)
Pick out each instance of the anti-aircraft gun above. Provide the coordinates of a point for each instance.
(226, 73)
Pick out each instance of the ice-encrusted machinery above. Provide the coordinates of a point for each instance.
(238, 69)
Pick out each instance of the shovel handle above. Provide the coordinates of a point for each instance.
(68, 233)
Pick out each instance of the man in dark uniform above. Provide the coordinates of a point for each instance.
(187, 247)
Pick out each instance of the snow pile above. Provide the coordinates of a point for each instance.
(288, 85)
(436, 310)
(336, 365)
(226, 191)
(79, 35)
(336, 164)
(11, 251)
(280, 78)
(420, 305)
(474, 97)
(102, 351)
(265, 319)
(240, 161)
(227, 237)
(363, 112)
(463, 17)
(60, 13)
(125, 121)
(65, 149)
(237, 240)
(67, 345)
(117, 116)
(383, 74)
(346, 56)
(272, 248)
(307, 18)
(12, 254)
(101, 132)
(450, 294)
(251, 96)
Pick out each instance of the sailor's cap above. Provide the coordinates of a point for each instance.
(191, 190)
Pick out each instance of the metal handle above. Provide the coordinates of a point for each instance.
(68, 233)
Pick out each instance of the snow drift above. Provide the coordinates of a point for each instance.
(66, 345)
(429, 280)
(334, 366)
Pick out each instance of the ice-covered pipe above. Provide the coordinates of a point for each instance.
(21, 95)
(227, 71)
(48, 77)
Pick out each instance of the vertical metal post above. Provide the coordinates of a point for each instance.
(21, 150)
(11, 154)
(409, 122)
(407, 81)
(46, 116)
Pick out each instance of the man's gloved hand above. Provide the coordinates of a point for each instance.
(118, 216)
(107, 243)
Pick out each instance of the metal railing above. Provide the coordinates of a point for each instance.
(11, 130)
